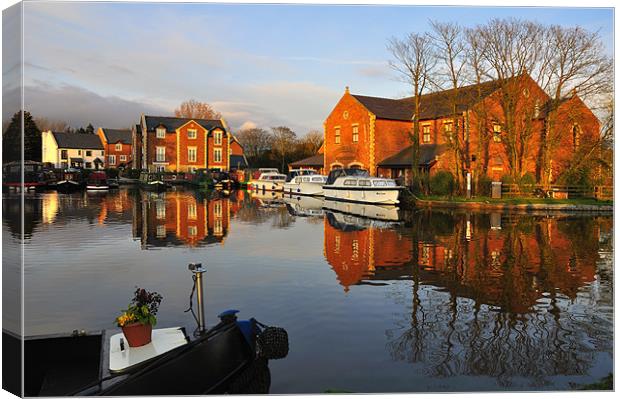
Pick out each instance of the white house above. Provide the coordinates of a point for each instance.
(76, 150)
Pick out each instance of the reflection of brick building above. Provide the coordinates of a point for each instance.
(178, 218)
(508, 267)
(374, 133)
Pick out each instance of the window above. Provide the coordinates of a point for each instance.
(497, 131)
(63, 154)
(160, 169)
(112, 159)
(89, 165)
(426, 134)
(355, 133)
(337, 135)
(217, 137)
(217, 155)
(123, 158)
(191, 154)
(191, 211)
(79, 152)
(192, 231)
(89, 153)
(576, 137)
(218, 228)
(217, 209)
(364, 183)
(118, 147)
(191, 133)
(161, 231)
(350, 182)
(448, 130)
(161, 132)
(160, 154)
(160, 209)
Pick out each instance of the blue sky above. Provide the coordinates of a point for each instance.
(262, 65)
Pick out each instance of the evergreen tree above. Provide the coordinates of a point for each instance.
(11, 139)
(90, 129)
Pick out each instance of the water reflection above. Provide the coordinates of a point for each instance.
(525, 300)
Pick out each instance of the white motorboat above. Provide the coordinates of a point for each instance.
(268, 181)
(304, 206)
(387, 213)
(304, 182)
(356, 185)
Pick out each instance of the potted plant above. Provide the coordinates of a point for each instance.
(138, 319)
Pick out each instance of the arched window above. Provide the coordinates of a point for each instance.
(576, 136)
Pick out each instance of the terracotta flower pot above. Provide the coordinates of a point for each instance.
(137, 334)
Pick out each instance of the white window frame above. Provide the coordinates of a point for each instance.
(118, 147)
(355, 134)
(158, 153)
(112, 159)
(160, 133)
(192, 134)
(122, 158)
(217, 155)
(190, 151)
(192, 212)
(337, 138)
(217, 137)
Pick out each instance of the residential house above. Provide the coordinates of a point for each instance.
(182, 144)
(237, 156)
(118, 147)
(63, 150)
(374, 133)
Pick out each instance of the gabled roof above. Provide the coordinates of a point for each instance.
(428, 152)
(315, 160)
(77, 140)
(173, 123)
(238, 160)
(433, 105)
(116, 135)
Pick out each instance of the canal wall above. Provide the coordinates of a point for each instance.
(589, 208)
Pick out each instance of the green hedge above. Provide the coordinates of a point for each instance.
(442, 183)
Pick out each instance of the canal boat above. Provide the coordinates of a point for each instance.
(150, 181)
(113, 183)
(306, 184)
(70, 180)
(268, 181)
(387, 213)
(97, 181)
(34, 176)
(356, 185)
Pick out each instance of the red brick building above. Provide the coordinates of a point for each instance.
(374, 133)
(117, 144)
(183, 144)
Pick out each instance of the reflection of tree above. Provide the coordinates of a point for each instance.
(12, 214)
(515, 304)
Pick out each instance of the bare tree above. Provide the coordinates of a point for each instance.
(196, 109)
(255, 142)
(575, 63)
(414, 62)
(45, 124)
(450, 51)
(312, 141)
(284, 140)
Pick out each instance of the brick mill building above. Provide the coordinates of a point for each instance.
(181, 144)
(117, 144)
(374, 133)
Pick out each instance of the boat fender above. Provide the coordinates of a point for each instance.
(272, 342)
(228, 316)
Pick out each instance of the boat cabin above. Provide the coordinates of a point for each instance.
(336, 173)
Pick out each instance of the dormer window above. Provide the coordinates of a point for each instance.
(161, 132)
(191, 133)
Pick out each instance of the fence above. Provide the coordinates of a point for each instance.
(557, 191)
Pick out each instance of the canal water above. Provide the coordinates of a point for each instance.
(373, 299)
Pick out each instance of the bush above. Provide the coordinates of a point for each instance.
(112, 173)
(442, 183)
(484, 186)
(508, 179)
(527, 182)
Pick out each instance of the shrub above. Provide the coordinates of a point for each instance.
(484, 186)
(527, 182)
(442, 183)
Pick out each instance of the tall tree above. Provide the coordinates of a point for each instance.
(414, 62)
(284, 140)
(45, 124)
(12, 139)
(196, 109)
(450, 50)
(312, 141)
(90, 129)
(255, 142)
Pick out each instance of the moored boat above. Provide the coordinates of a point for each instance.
(97, 181)
(70, 180)
(356, 185)
(152, 182)
(304, 182)
(34, 176)
(268, 181)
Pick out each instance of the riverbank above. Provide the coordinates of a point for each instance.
(510, 204)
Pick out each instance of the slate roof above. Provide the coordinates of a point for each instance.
(172, 123)
(116, 135)
(428, 152)
(315, 160)
(433, 105)
(236, 160)
(77, 140)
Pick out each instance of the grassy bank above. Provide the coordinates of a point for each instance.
(517, 201)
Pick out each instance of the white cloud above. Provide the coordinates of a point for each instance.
(247, 125)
